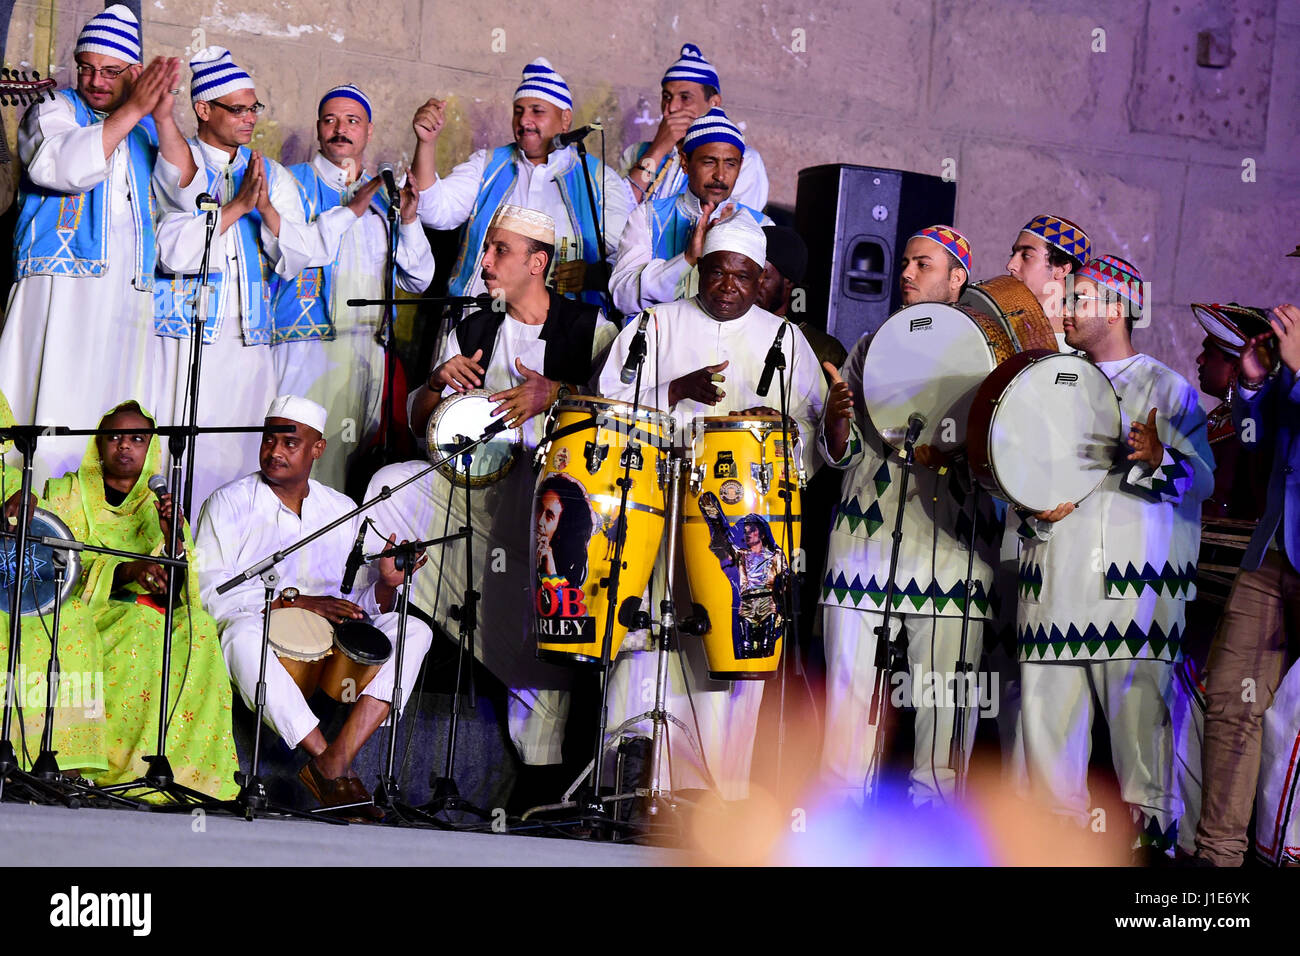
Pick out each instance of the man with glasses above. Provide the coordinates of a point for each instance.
(1104, 582)
(260, 231)
(78, 336)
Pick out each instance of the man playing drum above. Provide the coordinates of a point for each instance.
(1104, 582)
(661, 244)
(724, 329)
(255, 516)
(930, 576)
(522, 358)
(1047, 250)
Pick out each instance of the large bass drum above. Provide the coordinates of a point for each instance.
(467, 415)
(41, 591)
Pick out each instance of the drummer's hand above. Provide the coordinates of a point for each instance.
(930, 457)
(535, 394)
(389, 574)
(148, 574)
(1142, 438)
(461, 372)
(839, 412)
(11, 507)
(334, 610)
(1057, 513)
(698, 386)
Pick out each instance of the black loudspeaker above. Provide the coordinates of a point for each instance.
(856, 221)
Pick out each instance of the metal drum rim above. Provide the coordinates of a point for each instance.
(455, 476)
(72, 572)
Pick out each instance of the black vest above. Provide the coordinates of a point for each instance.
(568, 332)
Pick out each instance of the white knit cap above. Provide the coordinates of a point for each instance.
(541, 81)
(301, 410)
(115, 32)
(215, 74)
(737, 233)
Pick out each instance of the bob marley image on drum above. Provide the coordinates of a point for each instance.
(758, 571)
(563, 528)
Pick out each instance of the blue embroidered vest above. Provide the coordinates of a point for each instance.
(498, 178)
(174, 295)
(670, 228)
(66, 234)
(300, 306)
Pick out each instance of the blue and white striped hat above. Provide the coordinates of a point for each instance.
(115, 33)
(693, 68)
(350, 91)
(712, 127)
(215, 75)
(541, 81)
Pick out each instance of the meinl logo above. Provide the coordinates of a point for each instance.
(915, 325)
(1066, 378)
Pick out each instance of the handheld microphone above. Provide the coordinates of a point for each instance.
(206, 203)
(635, 352)
(562, 140)
(158, 485)
(390, 182)
(775, 359)
(915, 422)
(354, 559)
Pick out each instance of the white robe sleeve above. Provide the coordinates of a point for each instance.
(57, 153)
(1187, 468)
(300, 245)
(618, 206)
(448, 202)
(180, 243)
(217, 544)
(639, 280)
(653, 392)
(167, 188)
(806, 395)
(415, 265)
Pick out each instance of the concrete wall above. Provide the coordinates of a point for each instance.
(1102, 116)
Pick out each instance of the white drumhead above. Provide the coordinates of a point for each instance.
(1055, 432)
(467, 415)
(928, 358)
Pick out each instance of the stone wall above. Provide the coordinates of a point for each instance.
(1102, 116)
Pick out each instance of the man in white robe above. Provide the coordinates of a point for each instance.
(78, 335)
(521, 357)
(252, 518)
(1104, 582)
(720, 335)
(657, 169)
(323, 348)
(260, 230)
(531, 173)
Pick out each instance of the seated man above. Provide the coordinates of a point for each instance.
(661, 244)
(107, 502)
(257, 515)
(79, 735)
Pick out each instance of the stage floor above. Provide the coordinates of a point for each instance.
(55, 836)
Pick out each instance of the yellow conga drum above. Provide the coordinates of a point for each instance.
(735, 542)
(576, 521)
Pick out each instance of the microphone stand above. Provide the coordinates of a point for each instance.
(790, 599)
(600, 226)
(888, 653)
(252, 798)
(197, 328)
(388, 334)
(957, 746)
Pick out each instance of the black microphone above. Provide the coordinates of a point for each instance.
(915, 422)
(635, 352)
(497, 426)
(775, 359)
(206, 202)
(562, 140)
(390, 183)
(354, 559)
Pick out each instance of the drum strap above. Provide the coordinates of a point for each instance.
(582, 425)
(568, 332)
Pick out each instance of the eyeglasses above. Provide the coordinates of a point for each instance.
(239, 111)
(85, 70)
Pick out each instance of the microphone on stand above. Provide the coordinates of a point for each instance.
(354, 559)
(915, 422)
(206, 203)
(635, 352)
(390, 183)
(158, 485)
(775, 359)
(561, 140)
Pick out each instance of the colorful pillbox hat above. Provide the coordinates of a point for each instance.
(950, 239)
(1118, 275)
(1062, 234)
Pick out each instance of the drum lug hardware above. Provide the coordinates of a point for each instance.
(632, 454)
(762, 475)
(595, 455)
(697, 478)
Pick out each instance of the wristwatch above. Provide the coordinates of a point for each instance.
(289, 595)
(562, 392)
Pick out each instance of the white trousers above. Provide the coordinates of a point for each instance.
(287, 712)
(1058, 701)
(933, 647)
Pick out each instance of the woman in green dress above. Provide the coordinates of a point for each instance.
(78, 738)
(107, 502)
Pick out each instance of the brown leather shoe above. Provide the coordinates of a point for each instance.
(338, 792)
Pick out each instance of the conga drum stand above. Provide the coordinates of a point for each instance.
(888, 653)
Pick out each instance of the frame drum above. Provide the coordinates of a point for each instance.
(1009, 301)
(1044, 429)
(467, 415)
(39, 592)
